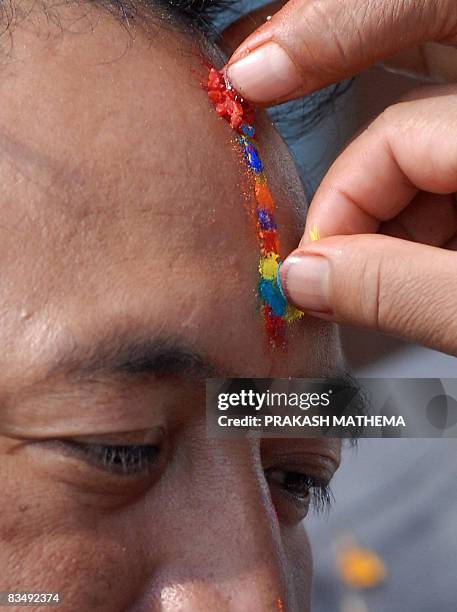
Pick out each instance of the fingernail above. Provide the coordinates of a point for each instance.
(305, 281)
(265, 74)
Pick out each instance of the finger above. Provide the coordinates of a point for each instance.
(378, 283)
(411, 147)
(430, 61)
(309, 44)
(430, 219)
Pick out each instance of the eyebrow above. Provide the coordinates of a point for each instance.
(121, 356)
(136, 354)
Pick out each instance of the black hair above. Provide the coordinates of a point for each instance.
(198, 14)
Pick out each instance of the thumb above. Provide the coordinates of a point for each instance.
(309, 44)
(380, 283)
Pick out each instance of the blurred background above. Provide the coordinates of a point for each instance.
(390, 540)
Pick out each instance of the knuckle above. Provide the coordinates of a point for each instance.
(415, 307)
(401, 303)
(422, 134)
(343, 30)
(390, 115)
(372, 298)
(392, 120)
(443, 15)
(423, 19)
(358, 296)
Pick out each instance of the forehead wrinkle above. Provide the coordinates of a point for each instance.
(105, 183)
(122, 355)
(35, 165)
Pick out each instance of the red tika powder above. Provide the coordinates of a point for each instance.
(226, 101)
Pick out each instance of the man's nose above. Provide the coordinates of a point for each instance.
(226, 553)
(254, 592)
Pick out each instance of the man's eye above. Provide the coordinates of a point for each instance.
(122, 459)
(304, 489)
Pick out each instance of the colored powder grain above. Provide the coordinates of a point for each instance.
(233, 110)
(216, 97)
(251, 154)
(268, 241)
(252, 158)
(226, 100)
(275, 327)
(239, 115)
(248, 130)
(268, 266)
(314, 234)
(215, 80)
(293, 314)
(260, 179)
(264, 197)
(265, 219)
(270, 294)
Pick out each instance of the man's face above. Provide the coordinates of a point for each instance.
(128, 273)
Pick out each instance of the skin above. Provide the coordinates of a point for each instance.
(397, 178)
(128, 273)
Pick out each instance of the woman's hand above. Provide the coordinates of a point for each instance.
(398, 177)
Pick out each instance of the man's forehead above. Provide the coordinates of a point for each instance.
(123, 193)
(88, 146)
(108, 145)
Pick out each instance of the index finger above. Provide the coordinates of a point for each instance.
(411, 147)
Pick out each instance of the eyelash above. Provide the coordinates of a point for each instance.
(315, 491)
(126, 460)
(137, 459)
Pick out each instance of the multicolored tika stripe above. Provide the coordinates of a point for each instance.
(275, 309)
